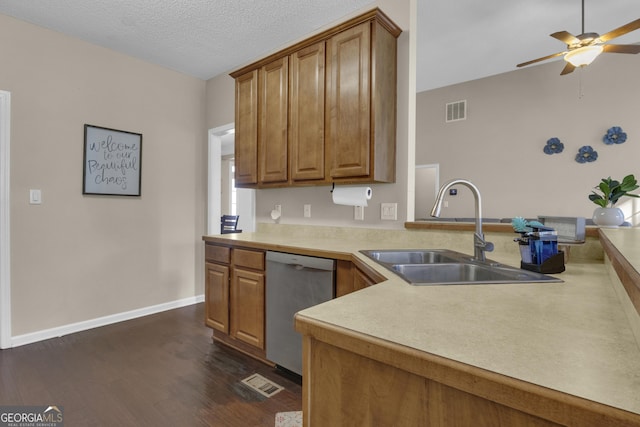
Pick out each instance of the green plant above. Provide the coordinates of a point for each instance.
(612, 190)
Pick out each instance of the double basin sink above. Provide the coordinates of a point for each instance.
(446, 267)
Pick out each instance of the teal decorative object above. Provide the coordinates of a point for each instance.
(521, 225)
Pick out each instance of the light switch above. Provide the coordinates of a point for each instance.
(35, 197)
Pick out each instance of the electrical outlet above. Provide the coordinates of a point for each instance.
(278, 208)
(307, 211)
(358, 213)
(389, 211)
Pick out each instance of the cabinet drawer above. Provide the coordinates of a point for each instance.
(217, 253)
(248, 258)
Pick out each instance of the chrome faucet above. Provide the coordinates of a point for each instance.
(479, 244)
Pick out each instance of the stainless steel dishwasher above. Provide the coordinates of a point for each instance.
(294, 282)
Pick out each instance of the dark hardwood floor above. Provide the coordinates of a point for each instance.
(159, 370)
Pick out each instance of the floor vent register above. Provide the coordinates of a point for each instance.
(262, 385)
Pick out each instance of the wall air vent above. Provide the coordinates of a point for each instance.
(456, 111)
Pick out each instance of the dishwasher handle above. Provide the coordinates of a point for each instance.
(301, 262)
(300, 267)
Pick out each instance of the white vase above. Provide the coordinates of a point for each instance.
(608, 217)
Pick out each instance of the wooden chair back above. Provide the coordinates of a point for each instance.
(229, 224)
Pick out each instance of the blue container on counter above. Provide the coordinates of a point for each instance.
(541, 254)
(543, 245)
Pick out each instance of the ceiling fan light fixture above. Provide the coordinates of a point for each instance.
(583, 55)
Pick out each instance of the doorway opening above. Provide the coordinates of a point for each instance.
(426, 188)
(223, 197)
(5, 255)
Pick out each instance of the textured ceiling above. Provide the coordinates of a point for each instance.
(458, 40)
(202, 38)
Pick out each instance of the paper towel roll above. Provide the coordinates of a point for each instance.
(351, 196)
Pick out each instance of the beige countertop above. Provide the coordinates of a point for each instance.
(627, 240)
(573, 337)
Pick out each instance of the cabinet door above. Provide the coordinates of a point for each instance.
(246, 136)
(273, 148)
(217, 297)
(348, 102)
(361, 280)
(306, 109)
(247, 307)
(351, 278)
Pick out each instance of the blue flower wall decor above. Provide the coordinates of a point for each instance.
(554, 146)
(586, 154)
(614, 135)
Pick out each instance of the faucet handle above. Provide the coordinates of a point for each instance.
(479, 242)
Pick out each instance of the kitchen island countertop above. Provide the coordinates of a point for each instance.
(574, 337)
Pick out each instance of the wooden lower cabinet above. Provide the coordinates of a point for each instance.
(247, 307)
(235, 294)
(349, 390)
(217, 297)
(355, 380)
(353, 276)
(235, 297)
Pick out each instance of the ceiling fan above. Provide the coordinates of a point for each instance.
(584, 48)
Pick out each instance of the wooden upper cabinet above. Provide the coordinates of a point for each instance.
(306, 113)
(361, 103)
(273, 147)
(327, 109)
(384, 94)
(348, 99)
(246, 136)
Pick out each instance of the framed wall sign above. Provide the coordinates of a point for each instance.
(112, 162)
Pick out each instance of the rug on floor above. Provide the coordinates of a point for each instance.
(289, 419)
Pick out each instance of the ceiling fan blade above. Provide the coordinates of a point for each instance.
(621, 48)
(544, 58)
(565, 37)
(631, 26)
(567, 69)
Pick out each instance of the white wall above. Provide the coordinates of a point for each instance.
(5, 225)
(220, 101)
(426, 189)
(510, 118)
(76, 257)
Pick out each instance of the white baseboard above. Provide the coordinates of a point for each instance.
(102, 321)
